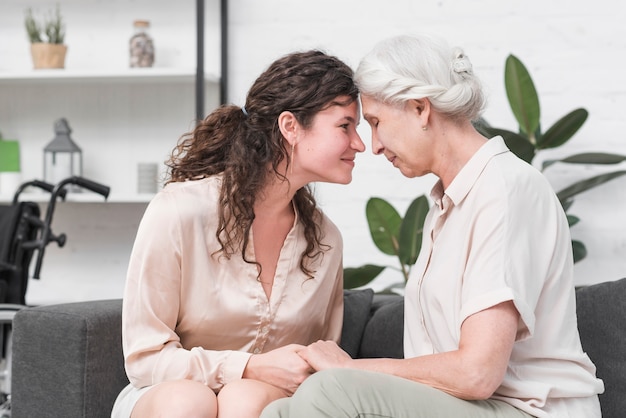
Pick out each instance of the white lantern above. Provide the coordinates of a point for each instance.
(62, 157)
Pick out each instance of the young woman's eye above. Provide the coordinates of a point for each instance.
(345, 126)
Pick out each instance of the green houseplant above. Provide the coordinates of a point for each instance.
(531, 139)
(393, 235)
(401, 237)
(46, 38)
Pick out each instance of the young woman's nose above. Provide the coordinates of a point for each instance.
(357, 143)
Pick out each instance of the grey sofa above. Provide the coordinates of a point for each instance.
(67, 358)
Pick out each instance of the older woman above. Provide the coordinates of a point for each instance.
(490, 322)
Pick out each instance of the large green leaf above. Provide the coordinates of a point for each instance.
(480, 123)
(522, 96)
(411, 230)
(595, 158)
(587, 184)
(518, 144)
(563, 129)
(567, 203)
(579, 249)
(572, 220)
(384, 222)
(360, 276)
(589, 158)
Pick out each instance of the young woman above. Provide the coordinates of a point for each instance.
(490, 321)
(234, 267)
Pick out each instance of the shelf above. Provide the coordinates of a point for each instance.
(166, 75)
(81, 197)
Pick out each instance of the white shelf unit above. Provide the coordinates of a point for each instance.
(119, 119)
(119, 116)
(134, 75)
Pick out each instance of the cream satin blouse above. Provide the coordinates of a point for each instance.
(499, 233)
(190, 315)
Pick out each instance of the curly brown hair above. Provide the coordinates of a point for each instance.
(242, 145)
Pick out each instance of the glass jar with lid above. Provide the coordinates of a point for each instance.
(141, 45)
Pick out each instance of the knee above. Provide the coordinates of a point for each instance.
(181, 398)
(322, 394)
(257, 395)
(327, 384)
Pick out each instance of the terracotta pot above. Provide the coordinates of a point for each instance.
(47, 55)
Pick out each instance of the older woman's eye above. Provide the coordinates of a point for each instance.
(372, 122)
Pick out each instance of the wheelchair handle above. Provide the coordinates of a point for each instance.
(46, 235)
(37, 183)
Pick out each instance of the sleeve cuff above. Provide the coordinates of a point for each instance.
(234, 366)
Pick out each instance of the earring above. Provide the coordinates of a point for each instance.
(293, 146)
(424, 128)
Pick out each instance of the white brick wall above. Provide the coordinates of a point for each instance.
(573, 49)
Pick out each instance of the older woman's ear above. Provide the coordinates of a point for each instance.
(421, 108)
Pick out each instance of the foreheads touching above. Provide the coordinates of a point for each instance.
(403, 68)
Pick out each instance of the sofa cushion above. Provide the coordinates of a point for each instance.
(601, 311)
(356, 312)
(384, 332)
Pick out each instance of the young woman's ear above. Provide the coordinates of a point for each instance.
(289, 126)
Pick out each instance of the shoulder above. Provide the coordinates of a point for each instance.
(519, 193)
(508, 175)
(198, 188)
(188, 199)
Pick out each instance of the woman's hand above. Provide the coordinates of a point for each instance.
(282, 367)
(325, 355)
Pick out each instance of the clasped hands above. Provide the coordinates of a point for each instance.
(287, 367)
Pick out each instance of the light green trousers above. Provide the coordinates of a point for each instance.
(348, 393)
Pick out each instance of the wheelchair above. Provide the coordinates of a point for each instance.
(24, 233)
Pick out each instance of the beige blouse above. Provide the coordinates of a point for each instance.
(190, 315)
(499, 233)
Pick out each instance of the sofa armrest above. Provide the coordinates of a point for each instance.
(67, 360)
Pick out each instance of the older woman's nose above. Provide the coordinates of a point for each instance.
(377, 146)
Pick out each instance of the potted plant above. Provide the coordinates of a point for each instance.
(531, 139)
(46, 40)
(401, 237)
